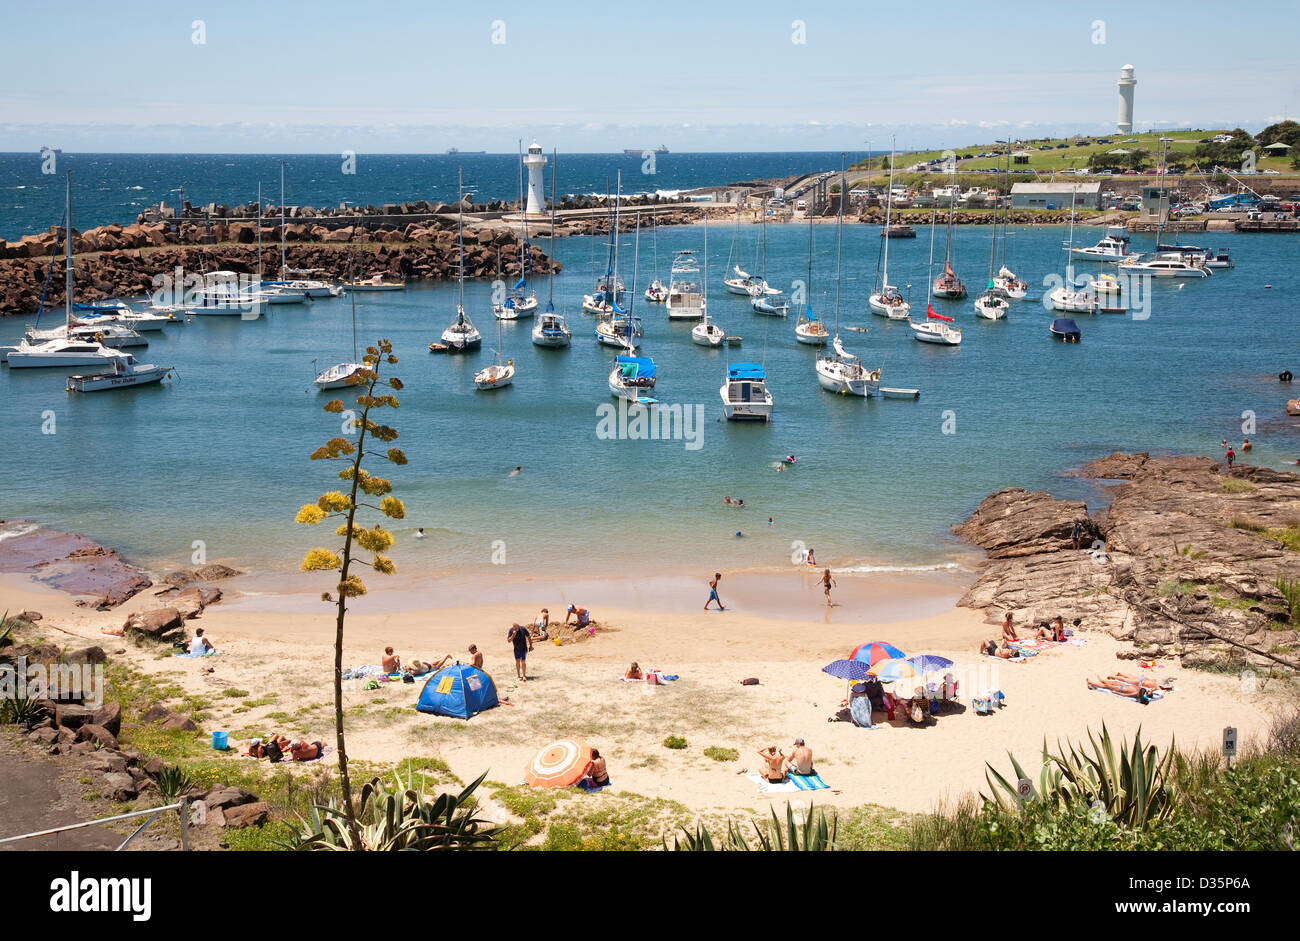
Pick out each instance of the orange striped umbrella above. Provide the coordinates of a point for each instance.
(559, 764)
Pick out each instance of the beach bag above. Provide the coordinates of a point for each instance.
(752, 681)
(272, 750)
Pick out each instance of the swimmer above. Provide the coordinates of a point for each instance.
(769, 519)
(516, 471)
(789, 459)
(419, 533)
(739, 534)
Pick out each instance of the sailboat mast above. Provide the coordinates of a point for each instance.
(282, 264)
(550, 280)
(839, 243)
(460, 234)
(67, 253)
(889, 208)
(952, 205)
(259, 235)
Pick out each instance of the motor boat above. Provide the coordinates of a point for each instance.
(1165, 265)
(53, 353)
(745, 396)
(1065, 329)
(656, 293)
(685, 300)
(374, 283)
(124, 372)
(1110, 248)
(633, 379)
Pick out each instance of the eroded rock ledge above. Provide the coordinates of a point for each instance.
(1185, 561)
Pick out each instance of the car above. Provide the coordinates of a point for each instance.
(1130, 173)
(1062, 146)
(1274, 172)
(1106, 172)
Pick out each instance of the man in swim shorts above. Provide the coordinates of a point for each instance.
(523, 642)
(713, 592)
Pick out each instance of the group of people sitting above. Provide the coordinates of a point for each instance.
(777, 764)
(280, 747)
(1004, 646)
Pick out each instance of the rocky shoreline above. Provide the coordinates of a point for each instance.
(1188, 560)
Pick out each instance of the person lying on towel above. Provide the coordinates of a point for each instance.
(306, 751)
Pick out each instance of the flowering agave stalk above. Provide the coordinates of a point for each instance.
(344, 505)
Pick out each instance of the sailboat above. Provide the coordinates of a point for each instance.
(706, 333)
(1068, 298)
(342, 374)
(936, 328)
(288, 286)
(461, 336)
(656, 293)
(1005, 281)
(887, 302)
(948, 284)
(633, 377)
(738, 281)
(843, 372)
(619, 328)
(809, 330)
(498, 375)
(518, 304)
(685, 302)
(610, 291)
(991, 305)
(550, 328)
(68, 351)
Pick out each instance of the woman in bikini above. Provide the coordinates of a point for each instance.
(775, 770)
(827, 584)
(596, 770)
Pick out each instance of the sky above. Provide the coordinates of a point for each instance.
(397, 76)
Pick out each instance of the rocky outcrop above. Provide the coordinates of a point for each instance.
(158, 623)
(70, 563)
(1181, 562)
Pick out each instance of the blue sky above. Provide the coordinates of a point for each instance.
(397, 76)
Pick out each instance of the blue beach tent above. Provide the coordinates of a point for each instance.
(460, 690)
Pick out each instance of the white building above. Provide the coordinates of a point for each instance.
(1127, 82)
(1055, 195)
(534, 161)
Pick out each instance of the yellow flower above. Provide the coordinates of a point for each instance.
(309, 515)
(334, 502)
(374, 540)
(384, 565)
(397, 456)
(342, 530)
(351, 587)
(320, 560)
(375, 486)
(393, 508)
(334, 405)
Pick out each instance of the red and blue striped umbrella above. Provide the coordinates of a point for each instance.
(874, 651)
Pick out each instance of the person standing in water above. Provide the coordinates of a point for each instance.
(713, 592)
(827, 584)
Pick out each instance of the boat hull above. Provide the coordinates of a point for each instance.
(141, 376)
(494, 377)
(834, 378)
(878, 306)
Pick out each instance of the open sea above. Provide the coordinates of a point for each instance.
(218, 455)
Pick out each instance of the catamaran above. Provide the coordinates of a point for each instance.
(843, 372)
(110, 334)
(887, 302)
(550, 328)
(461, 336)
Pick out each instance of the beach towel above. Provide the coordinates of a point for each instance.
(807, 782)
(1023, 658)
(360, 673)
(1074, 642)
(1155, 694)
(767, 787)
(195, 656)
(1028, 644)
(590, 786)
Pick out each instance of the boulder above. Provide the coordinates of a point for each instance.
(1015, 522)
(157, 623)
(176, 721)
(214, 571)
(228, 796)
(65, 736)
(93, 654)
(155, 713)
(71, 716)
(31, 617)
(43, 736)
(120, 786)
(153, 766)
(97, 734)
(106, 761)
(247, 815)
(108, 716)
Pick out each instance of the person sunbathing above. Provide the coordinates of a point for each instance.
(775, 770)
(634, 672)
(1008, 629)
(991, 648)
(306, 751)
(1147, 682)
(1118, 687)
(801, 759)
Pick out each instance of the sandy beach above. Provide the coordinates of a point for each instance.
(280, 645)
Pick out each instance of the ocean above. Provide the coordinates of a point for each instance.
(216, 459)
(115, 188)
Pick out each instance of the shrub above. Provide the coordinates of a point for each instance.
(813, 835)
(675, 741)
(721, 754)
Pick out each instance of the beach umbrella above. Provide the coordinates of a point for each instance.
(874, 651)
(928, 662)
(896, 669)
(559, 764)
(848, 669)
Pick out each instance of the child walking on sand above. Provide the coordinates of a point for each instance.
(827, 584)
(713, 592)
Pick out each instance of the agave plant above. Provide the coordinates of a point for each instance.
(1131, 784)
(813, 835)
(172, 783)
(398, 818)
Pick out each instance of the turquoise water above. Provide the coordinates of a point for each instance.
(219, 454)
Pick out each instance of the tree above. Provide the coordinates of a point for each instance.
(339, 505)
(1288, 132)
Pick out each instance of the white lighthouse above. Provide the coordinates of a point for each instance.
(1126, 83)
(534, 160)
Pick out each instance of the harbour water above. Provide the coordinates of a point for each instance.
(115, 188)
(217, 457)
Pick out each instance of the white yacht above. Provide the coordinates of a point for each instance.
(811, 331)
(708, 334)
(844, 373)
(1164, 265)
(124, 373)
(685, 300)
(551, 330)
(51, 353)
(223, 295)
(110, 334)
(936, 328)
(633, 378)
(1110, 248)
(887, 302)
(745, 396)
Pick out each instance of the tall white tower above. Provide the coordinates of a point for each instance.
(1126, 83)
(534, 160)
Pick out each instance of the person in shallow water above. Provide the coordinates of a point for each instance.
(516, 471)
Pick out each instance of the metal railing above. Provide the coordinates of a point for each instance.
(182, 807)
